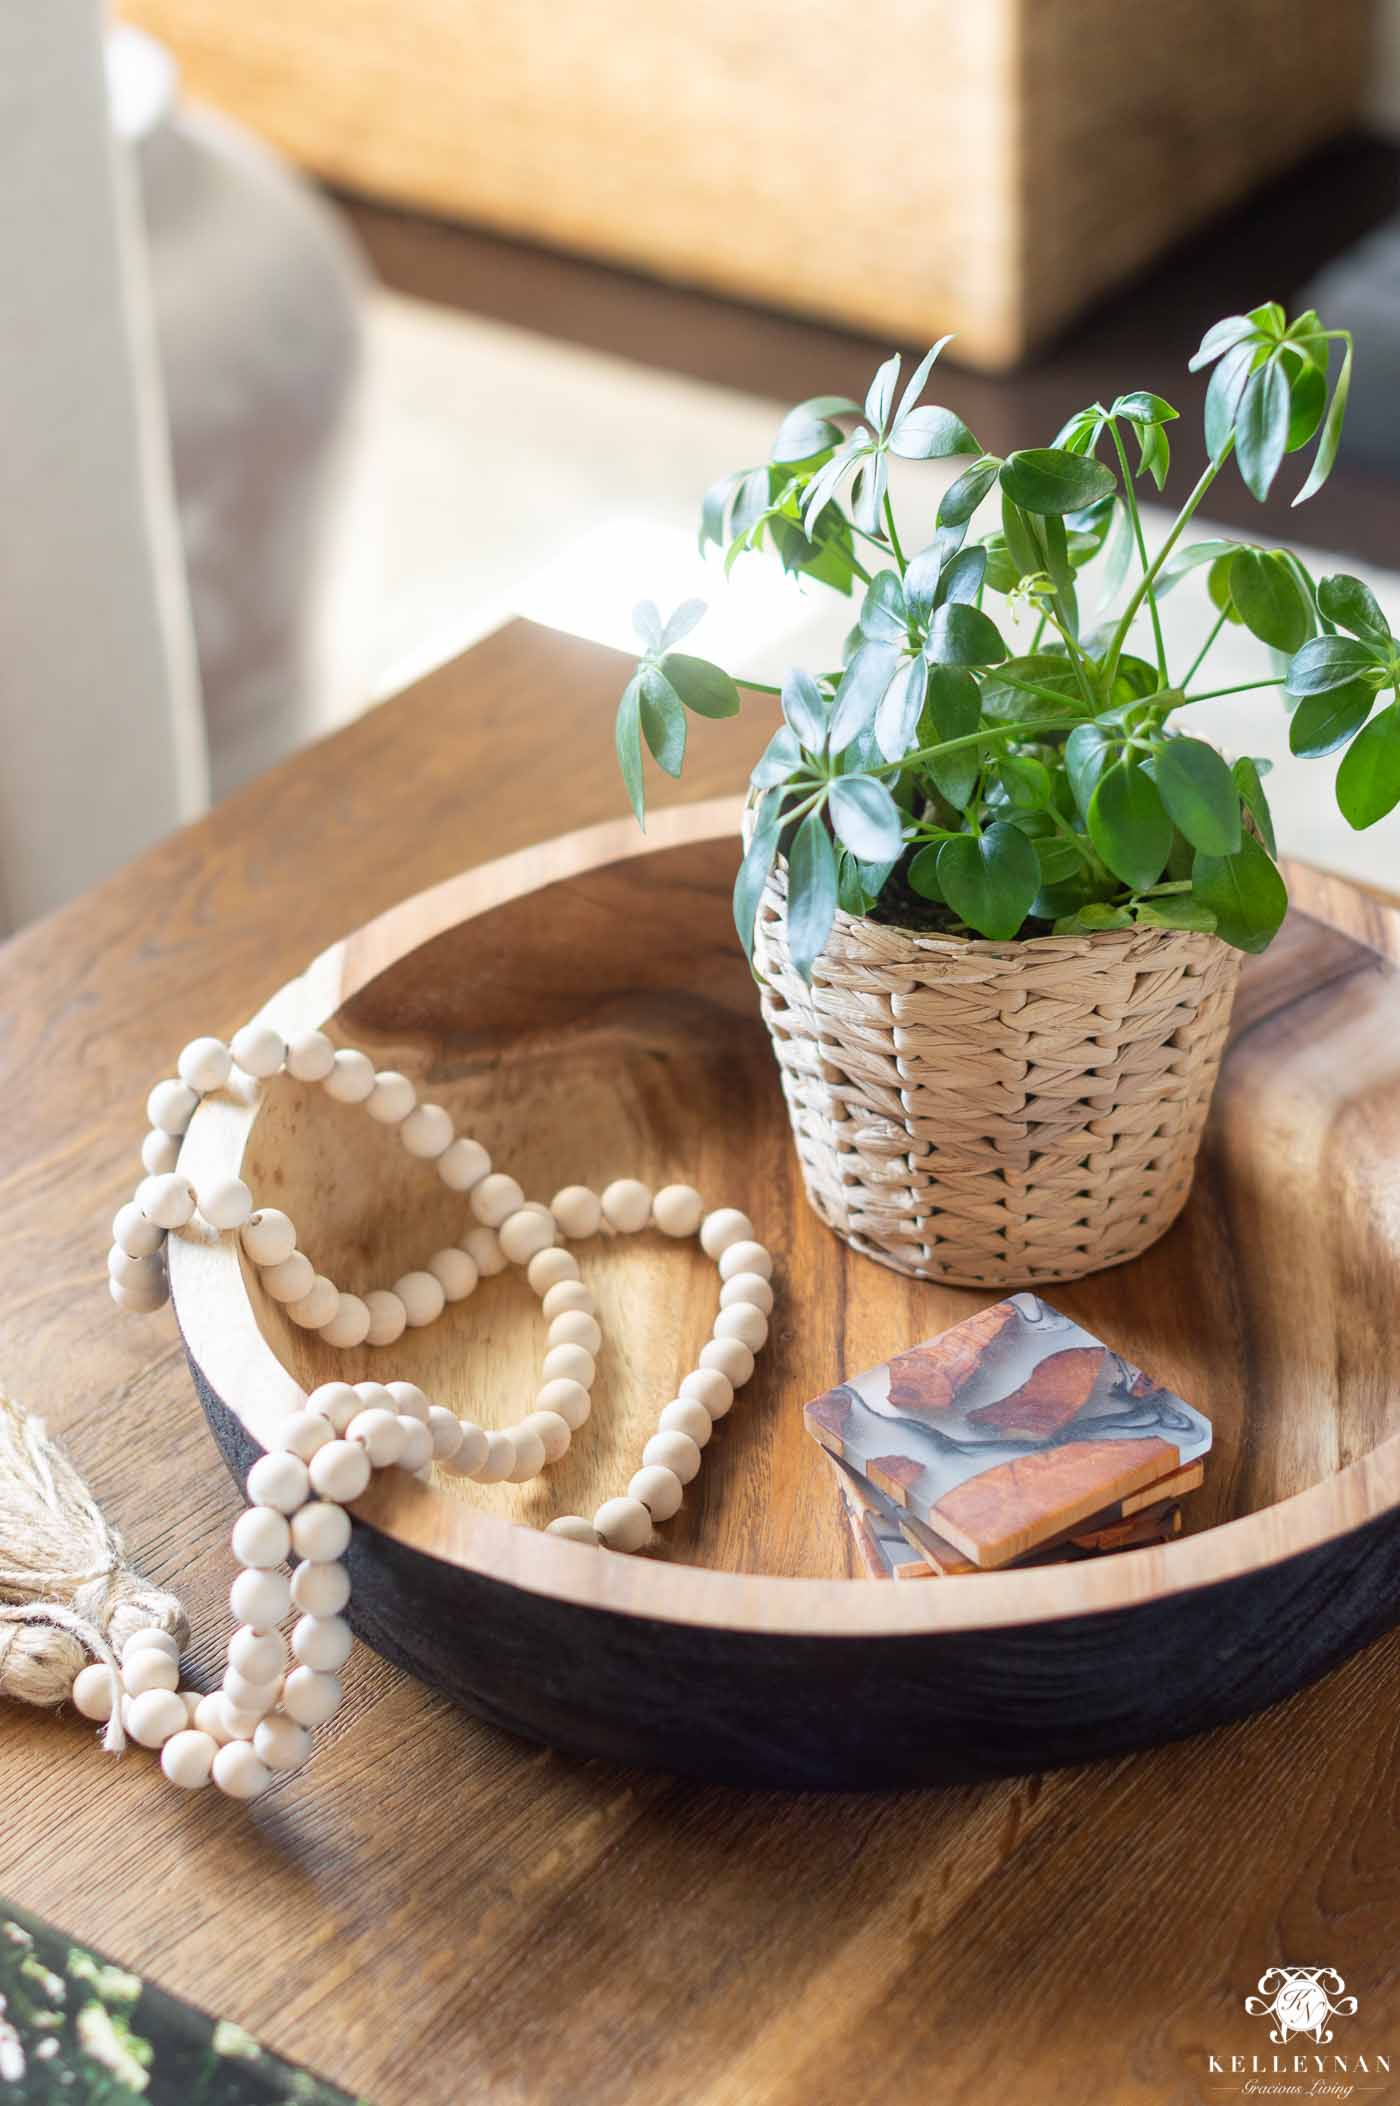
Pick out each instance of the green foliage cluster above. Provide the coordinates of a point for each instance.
(940, 778)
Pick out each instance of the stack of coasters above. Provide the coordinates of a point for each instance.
(1015, 1438)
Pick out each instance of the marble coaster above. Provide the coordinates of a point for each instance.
(1009, 1429)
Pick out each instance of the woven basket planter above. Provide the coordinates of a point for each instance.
(997, 1114)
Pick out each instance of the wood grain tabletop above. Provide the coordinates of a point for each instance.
(437, 1915)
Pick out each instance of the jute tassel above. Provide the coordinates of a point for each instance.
(67, 1594)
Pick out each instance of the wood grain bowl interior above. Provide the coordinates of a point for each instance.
(584, 1010)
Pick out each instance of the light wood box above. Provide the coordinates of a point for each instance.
(904, 167)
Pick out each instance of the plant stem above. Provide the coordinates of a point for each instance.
(970, 738)
(1144, 586)
(1130, 498)
(1075, 656)
(1243, 687)
(758, 687)
(1200, 655)
(894, 535)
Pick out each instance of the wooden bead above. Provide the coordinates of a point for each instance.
(626, 1205)
(171, 1105)
(320, 1590)
(260, 1596)
(483, 1248)
(678, 1210)
(167, 1200)
(205, 1064)
(687, 1415)
(160, 1152)
(576, 1327)
(153, 1716)
(262, 1655)
(417, 1451)
(310, 1696)
(498, 1461)
(427, 1132)
(134, 1234)
(380, 1435)
(731, 1357)
(375, 1396)
(310, 1056)
(93, 1691)
(554, 1431)
(455, 1272)
(238, 1771)
(446, 1430)
(422, 1297)
(140, 1275)
(659, 1490)
(320, 1534)
(529, 1454)
(495, 1199)
(291, 1279)
(339, 1471)
(569, 1363)
(148, 1669)
(239, 1725)
(244, 1699)
(569, 1399)
(574, 1529)
(623, 1524)
(409, 1400)
(141, 1297)
(303, 1432)
(225, 1202)
(339, 1402)
(548, 1267)
(322, 1642)
(472, 1452)
(279, 1480)
(578, 1211)
(724, 1227)
(350, 1324)
(392, 1098)
(268, 1236)
(191, 1699)
(281, 1743)
(261, 1535)
(525, 1233)
(318, 1306)
(188, 1758)
(388, 1317)
(747, 1287)
(258, 1050)
(211, 1717)
(351, 1077)
(565, 1295)
(743, 1321)
(464, 1164)
(674, 1451)
(745, 1257)
(150, 1639)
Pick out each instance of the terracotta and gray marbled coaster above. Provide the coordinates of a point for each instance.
(1009, 1429)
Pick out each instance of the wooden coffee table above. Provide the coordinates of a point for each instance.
(436, 1914)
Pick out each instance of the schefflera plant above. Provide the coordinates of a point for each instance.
(940, 780)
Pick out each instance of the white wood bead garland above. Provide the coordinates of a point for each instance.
(260, 1722)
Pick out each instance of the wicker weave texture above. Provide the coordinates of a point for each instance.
(997, 1114)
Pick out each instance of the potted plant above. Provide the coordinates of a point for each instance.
(996, 900)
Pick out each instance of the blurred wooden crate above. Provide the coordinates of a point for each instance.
(904, 167)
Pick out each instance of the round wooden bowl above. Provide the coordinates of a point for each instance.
(584, 1009)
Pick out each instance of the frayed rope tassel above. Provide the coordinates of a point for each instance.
(67, 1594)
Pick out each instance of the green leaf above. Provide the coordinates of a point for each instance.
(1270, 602)
(866, 818)
(1322, 723)
(952, 710)
(1087, 921)
(921, 580)
(918, 380)
(884, 617)
(805, 708)
(1154, 453)
(961, 498)
(663, 720)
(1128, 825)
(811, 906)
(880, 394)
(1089, 749)
(1352, 605)
(1307, 399)
(646, 621)
(628, 738)
(704, 688)
(1331, 437)
(931, 435)
(1227, 386)
(1261, 428)
(1140, 407)
(753, 871)
(1221, 337)
(960, 635)
(923, 872)
(1046, 479)
(1188, 559)
(962, 579)
(714, 512)
(990, 880)
(1026, 782)
(897, 718)
(862, 689)
(780, 759)
(1178, 910)
(1023, 544)
(807, 430)
(1244, 892)
(1326, 662)
(1247, 777)
(1199, 792)
(687, 616)
(1368, 781)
